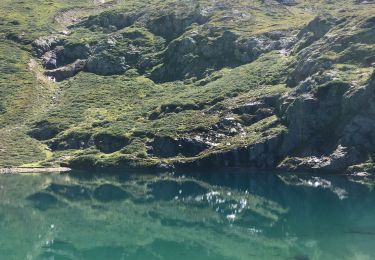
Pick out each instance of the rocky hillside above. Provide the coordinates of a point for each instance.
(287, 84)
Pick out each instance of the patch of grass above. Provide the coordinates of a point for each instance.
(17, 149)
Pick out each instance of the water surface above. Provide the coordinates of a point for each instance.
(228, 214)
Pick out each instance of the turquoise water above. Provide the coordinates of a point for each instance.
(232, 214)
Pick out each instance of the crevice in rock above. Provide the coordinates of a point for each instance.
(66, 72)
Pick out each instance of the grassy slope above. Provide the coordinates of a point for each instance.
(127, 100)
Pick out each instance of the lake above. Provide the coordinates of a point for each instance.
(218, 214)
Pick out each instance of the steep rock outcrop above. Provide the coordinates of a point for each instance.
(171, 25)
(264, 154)
(338, 161)
(45, 44)
(130, 49)
(196, 54)
(109, 20)
(166, 147)
(67, 71)
(312, 116)
(332, 128)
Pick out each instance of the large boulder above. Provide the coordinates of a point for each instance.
(46, 43)
(312, 117)
(67, 71)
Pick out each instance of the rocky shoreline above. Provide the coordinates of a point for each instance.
(34, 170)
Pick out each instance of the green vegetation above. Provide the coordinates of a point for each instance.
(43, 122)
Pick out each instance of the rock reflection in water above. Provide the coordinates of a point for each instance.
(239, 215)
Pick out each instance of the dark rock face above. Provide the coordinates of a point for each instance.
(66, 72)
(311, 117)
(44, 130)
(76, 51)
(63, 55)
(315, 30)
(51, 58)
(61, 60)
(309, 60)
(2, 109)
(170, 147)
(333, 128)
(45, 44)
(171, 26)
(165, 47)
(338, 161)
(330, 127)
(109, 143)
(71, 141)
(105, 142)
(256, 110)
(264, 154)
(195, 54)
(110, 21)
(133, 49)
(360, 132)
(109, 192)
